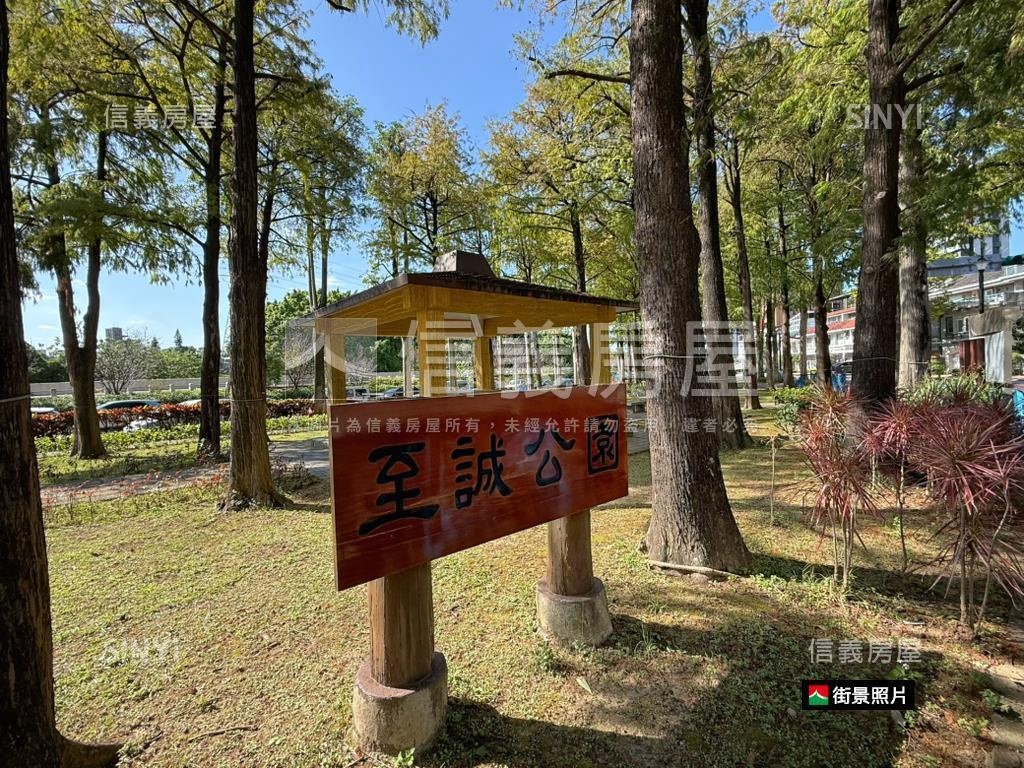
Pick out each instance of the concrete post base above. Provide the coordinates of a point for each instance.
(568, 619)
(392, 720)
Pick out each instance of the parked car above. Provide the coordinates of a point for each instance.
(138, 424)
(399, 392)
(357, 393)
(557, 383)
(113, 404)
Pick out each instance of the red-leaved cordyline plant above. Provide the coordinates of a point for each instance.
(974, 463)
(886, 442)
(841, 468)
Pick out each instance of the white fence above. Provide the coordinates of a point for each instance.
(140, 387)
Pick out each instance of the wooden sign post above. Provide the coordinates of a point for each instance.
(420, 480)
(414, 480)
(572, 606)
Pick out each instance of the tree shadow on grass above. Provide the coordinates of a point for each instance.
(669, 696)
(478, 734)
(916, 588)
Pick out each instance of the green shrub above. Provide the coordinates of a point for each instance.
(790, 403)
(171, 433)
(381, 383)
(296, 393)
(957, 389)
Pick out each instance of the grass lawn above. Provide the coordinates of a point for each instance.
(218, 640)
(57, 468)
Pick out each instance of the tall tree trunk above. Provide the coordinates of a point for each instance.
(771, 364)
(80, 354)
(318, 298)
(250, 479)
(714, 311)
(915, 331)
(760, 343)
(691, 522)
(787, 309)
(823, 361)
(28, 729)
(582, 344)
(743, 257)
(787, 335)
(875, 337)
(803, 344)
(209, 446)
(320, 376)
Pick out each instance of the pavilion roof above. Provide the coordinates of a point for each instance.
(489, 305)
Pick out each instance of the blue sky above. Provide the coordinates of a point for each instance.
(471, 65)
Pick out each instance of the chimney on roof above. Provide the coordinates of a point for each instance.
(464, 263)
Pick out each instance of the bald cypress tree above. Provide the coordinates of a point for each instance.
(691, 522)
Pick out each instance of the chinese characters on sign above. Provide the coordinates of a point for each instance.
(397, 466)
(405, 494)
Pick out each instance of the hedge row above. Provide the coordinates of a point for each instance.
(164, 396)
(63, 423)
(145, 438)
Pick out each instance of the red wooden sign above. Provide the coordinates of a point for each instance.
(414, 480)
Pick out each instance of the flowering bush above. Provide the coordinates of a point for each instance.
(52, 424)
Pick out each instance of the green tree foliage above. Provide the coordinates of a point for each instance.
(423, 192)
(560, 185)
(46, 364)
(88, 198)
(290, 341)
(176, 363)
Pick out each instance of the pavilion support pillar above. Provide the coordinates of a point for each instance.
(483, 363)
(401, 695)
(408, 355)
(334, 368)
(572, 606)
